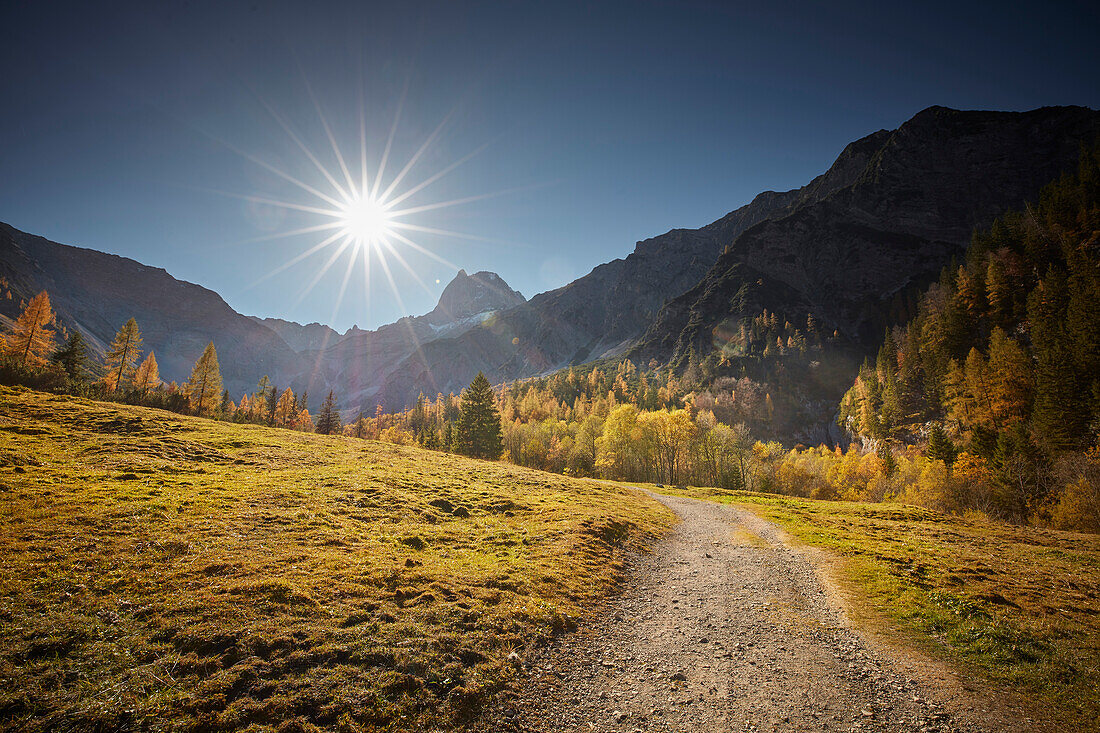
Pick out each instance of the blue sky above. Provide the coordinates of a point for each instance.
(136, 129)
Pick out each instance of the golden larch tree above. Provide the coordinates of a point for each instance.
(31, 339)
(123, 354)
(147, 376)
(205, 385)
(284, 409)
(303, 421)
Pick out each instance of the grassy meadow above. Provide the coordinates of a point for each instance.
(1019, 605)
(165, 572)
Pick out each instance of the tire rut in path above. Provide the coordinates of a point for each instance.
(722, 628)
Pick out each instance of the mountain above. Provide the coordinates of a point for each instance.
(887, 228)
(889, 213)
(360, 364)
(849, 247)
(97, 292)
(310, 337)
(603, 313)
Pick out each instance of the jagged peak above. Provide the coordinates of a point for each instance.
(467, 295)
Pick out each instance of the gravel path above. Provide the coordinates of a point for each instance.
(721, 628)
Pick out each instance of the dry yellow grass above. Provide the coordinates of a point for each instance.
(165, 572)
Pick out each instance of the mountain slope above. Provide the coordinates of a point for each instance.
(97, 292)
(886, 217)
(911, 208)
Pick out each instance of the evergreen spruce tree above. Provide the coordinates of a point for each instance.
(449, 437)
(272, 404)
(940, 446)
(205, 385)
(73, 358)
(328, 418)
(1059, 414)
(478, 433)
(123, 355)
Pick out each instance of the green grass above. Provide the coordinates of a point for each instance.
(163, 572)
(1021, 605)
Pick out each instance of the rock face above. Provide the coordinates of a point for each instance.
(96, 293)
(879, 222)
(472, 295)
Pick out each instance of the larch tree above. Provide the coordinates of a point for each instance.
(328, 419)
(205, 385)
(123, 355)
(478, 432)
(31, 340)
(284, 409)
(303, 421)
(147, 376)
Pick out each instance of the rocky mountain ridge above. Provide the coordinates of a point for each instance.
(890, 226)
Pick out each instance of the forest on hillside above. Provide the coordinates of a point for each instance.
(998, 374)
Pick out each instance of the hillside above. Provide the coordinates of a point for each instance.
(359, 365)
(97, 293)
(831, 274)
(171, 572)
(845, 255)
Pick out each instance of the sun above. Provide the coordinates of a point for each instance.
(364, 216)
(365, 220)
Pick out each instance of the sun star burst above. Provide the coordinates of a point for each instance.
(360, 212)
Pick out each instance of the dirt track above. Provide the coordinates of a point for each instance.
(722, 628)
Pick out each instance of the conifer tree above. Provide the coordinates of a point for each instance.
(147, 375)
(940, 446)
(123, 355)
(284, 411)
(31, 339)
(303, 421)
(205, 384)
(1058, 416)
(886, 459)
(478, 433)
(73, 358)
(259, 397)
(328, 418)
(272, 404)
